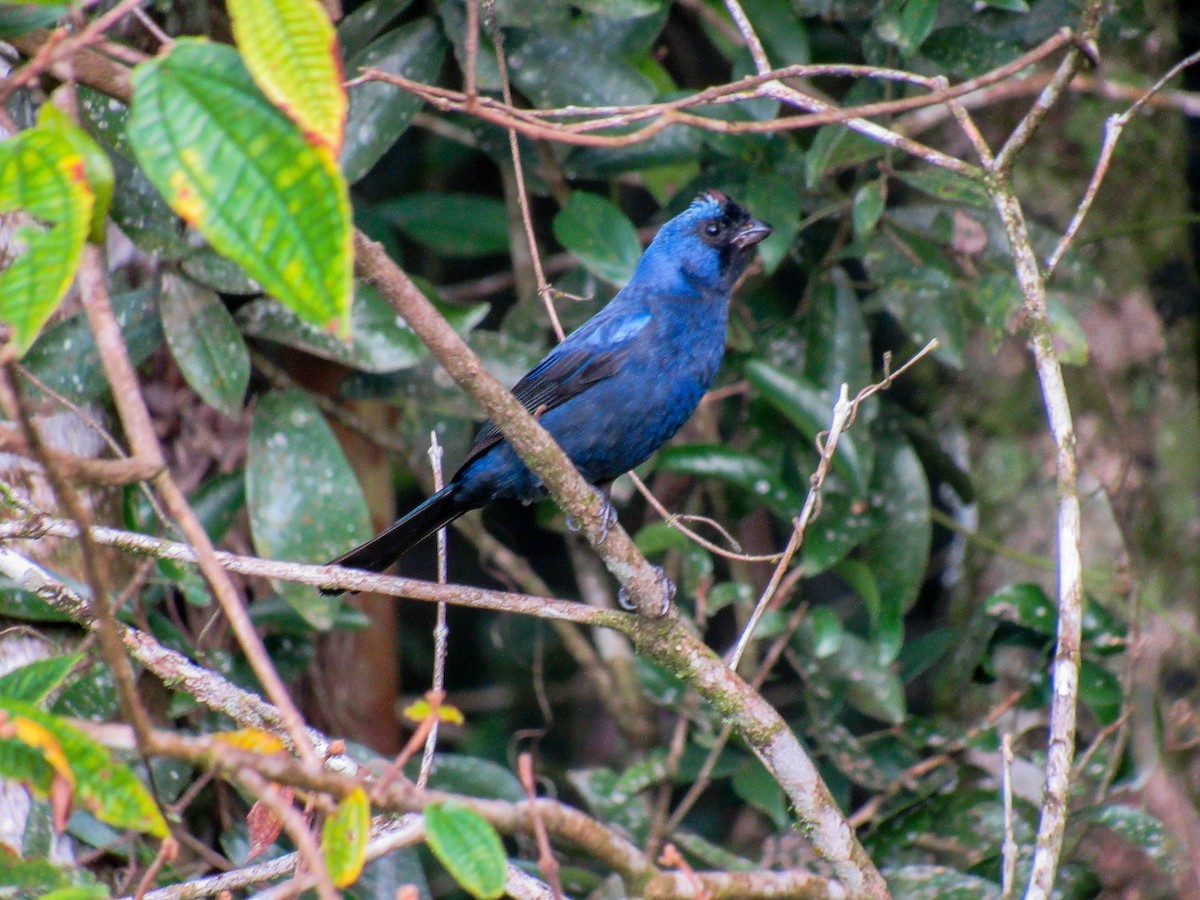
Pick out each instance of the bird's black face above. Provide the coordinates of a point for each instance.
(731, 230)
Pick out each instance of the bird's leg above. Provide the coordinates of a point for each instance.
(668, 589)
(608, 512)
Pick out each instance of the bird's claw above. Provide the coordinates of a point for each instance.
(608, 519)
(668, 592)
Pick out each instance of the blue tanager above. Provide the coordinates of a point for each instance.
(620, 385)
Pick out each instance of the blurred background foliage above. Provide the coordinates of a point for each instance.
(927, 582)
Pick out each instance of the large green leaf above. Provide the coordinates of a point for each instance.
(107, 788)
(43, 175)
(291, 49)
(451, 224)
(242, 173)
(898, 554)
(380, 112)
(939, 883)
(468, 846)
(600, 235)
(305, 504)
(745, 470)
(380, 340)
(205, 342)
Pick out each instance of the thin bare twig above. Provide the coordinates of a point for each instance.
(441, 631)
(1008, 851)
(1113, 127)
(546, 861)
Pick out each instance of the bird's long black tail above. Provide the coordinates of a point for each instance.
(385, 548)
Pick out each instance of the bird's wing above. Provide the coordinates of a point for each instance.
(593, 353)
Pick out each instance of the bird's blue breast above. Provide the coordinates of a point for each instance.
(675, 345)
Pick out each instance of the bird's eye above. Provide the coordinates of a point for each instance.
(712, 229)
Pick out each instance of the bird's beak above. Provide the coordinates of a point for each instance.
(751, 233)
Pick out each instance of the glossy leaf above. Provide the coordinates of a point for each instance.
(867, 208)
(924, 882)
(206, 343)
(1101, 690)
(1025, 604)
(380, 340)
(774, 198)
(344, 838)
(734, 466)
(758, 787)
(42, 174)
(379, 113)
(304, 502)
(906, 23)
(451, 224)
(871, 688)
(837, 341)
(239, 170)
(291, 50)
(1137, 826)
(898, 553)
(600, 236)
(109, 790)
(844, 523)
(810, 409)
(65, 357)
(468, 846)
(33, 682)
(365, 23)
(461, 774)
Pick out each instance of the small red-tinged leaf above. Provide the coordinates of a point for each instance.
(264, 826)
(43, 175)
(291, 50)
(344, 838)
(234, 166)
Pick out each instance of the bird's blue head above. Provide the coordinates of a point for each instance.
(709, 244)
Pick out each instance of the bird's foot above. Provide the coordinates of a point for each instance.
(668, 593)
(608, 519)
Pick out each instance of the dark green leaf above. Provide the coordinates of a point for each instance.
(921, 882)
(734, 466)
(963, 51)
(600, 235)
(867, 208)
(305, 504)
(1100, 689)
(26, 17)
(33, 682)
(898, 553)
(947, 186)
(1026, 605)
(380, 340)
(65, 357)
(906, 23)
(461, 774)
(869, 687)
(451, 224)
(810, 409)
(366, 23)
(205, 342)
(758, 787)
(1135, 825)
(217, 502)
(468, 847)
(379, 113)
